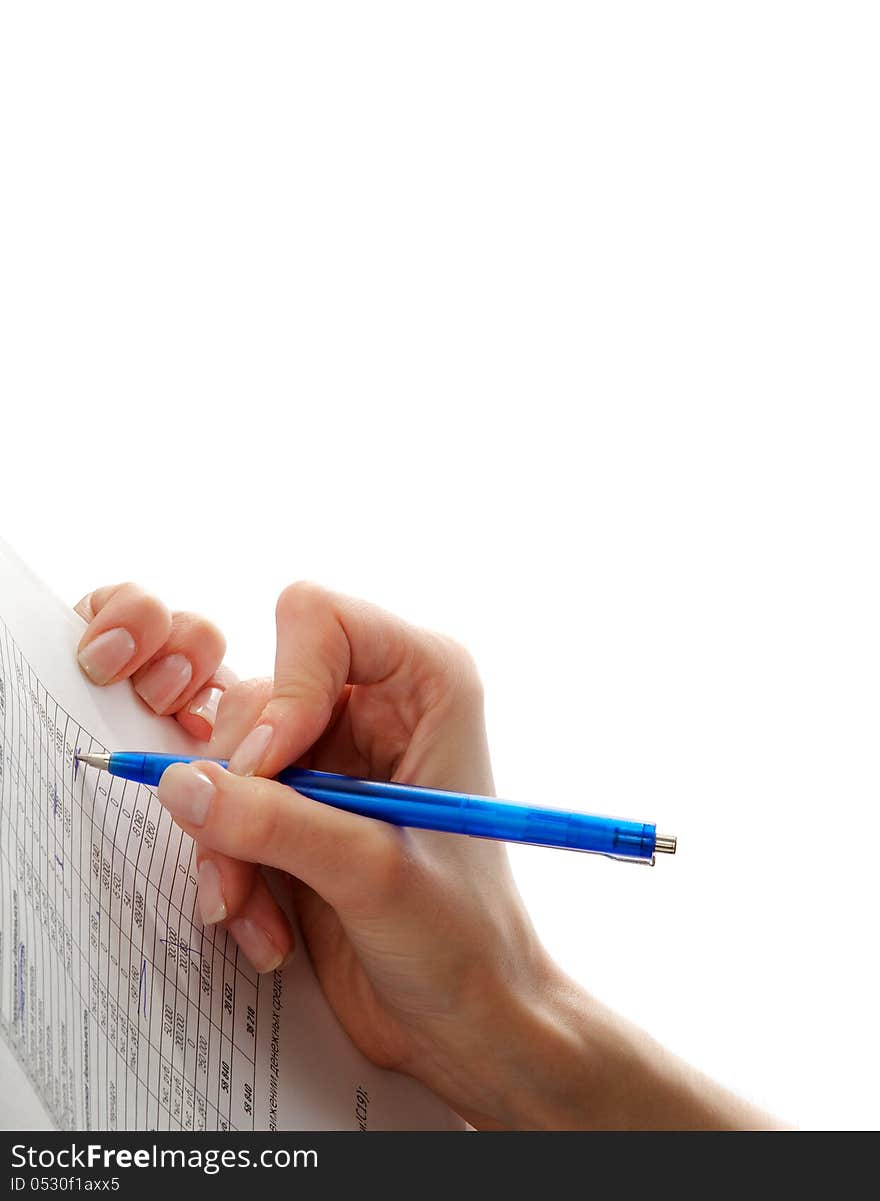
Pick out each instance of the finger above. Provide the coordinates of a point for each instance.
(324, 641)
(261, 929)
(351, 861)
(182, 665)
(200, 715)
(126, 626)
(224, 884)
(240, 706)
(235, 893)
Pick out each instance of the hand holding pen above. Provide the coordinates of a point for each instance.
(419, 938)
(416, 807)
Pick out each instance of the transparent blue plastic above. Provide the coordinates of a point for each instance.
(433, 809)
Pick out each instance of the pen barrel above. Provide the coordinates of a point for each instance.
(480, 817)
(433, 809)
(144, 767)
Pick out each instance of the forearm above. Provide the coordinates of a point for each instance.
(563, 1061)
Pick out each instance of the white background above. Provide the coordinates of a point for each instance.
(553, 326)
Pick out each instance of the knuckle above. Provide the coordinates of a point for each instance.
(302, 596)
(154, 612)
(219, 640)
(130, 588)
(194, 625)
(457, 666)
(462, 658)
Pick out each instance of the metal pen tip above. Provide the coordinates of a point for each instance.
(101, 761)
(665, 844)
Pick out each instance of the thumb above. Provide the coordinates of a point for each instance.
(324, 641)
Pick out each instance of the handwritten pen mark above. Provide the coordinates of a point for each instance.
(142, 987)
(59, 861)
(55, 800)
(76, 763)
(182, 946)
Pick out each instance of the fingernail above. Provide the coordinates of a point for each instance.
(251, 752)
(256, 944)
(106, 655)
(205, 704)
(186, 793)
(84, 607)
(164, 681)
(212, 907)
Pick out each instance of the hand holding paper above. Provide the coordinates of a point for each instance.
(122, 1009)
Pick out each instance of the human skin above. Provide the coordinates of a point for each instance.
(420, 939)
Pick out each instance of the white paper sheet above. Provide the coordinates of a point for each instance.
(123, 1011)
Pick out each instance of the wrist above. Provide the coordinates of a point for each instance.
(558, 1059)
(524, 1061)
(558, 1064)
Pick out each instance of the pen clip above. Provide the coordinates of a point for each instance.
(631, 859)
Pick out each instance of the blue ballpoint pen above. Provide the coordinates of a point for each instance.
(433, 809)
